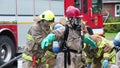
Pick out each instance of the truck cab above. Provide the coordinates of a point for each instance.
(91, 10)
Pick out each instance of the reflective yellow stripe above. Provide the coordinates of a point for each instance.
(89, 60)
(50, 53)
(99, 52)
(47, 65)
(51, 28)
(43, 59)
(26, 57)
(106, 55)
(113, 53)
(29, 58)
(113, 60)
(30, 37)
(84, 46)
(101, 43)
(113, 57)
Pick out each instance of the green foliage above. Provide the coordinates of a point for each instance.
(112, 27)
(110, 35)
(110, 20)
(118, 19)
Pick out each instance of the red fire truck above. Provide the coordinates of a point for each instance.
(91, 10)
(8, 40)
(15, 20)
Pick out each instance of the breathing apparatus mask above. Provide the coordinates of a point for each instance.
(75, 23)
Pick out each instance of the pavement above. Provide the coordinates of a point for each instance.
(16, 64)
(110, 39)
(11, 66)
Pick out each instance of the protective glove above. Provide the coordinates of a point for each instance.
(46, 41)
(105, 64)
(87, 40)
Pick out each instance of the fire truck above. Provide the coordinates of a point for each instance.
(15, 23)
(16, 18)
(91, 10)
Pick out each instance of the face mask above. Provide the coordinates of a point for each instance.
(78, 24)
(75, 22)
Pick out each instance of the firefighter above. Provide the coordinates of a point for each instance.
(71, 34)
(116, 42)
(104, 56)
(33, 56)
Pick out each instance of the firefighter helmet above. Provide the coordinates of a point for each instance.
(48, 16)
(72, 12)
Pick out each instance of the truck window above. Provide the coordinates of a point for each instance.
(85, 6)
(78, 4)
(96, 6)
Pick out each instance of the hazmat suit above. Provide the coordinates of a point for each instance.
(72, 45)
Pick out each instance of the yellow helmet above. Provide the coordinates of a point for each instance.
(48, 16)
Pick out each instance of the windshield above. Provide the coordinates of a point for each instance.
(96, 6)
(77, 4)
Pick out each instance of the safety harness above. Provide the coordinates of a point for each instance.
(66, 49)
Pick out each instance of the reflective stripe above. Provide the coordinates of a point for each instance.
(106, 55)
(50, 53)
(89, 60)
(51, 28)
(43, 59)
(30, 37)
(113, 60)
(101, 43)
(47, 65)
(113, 57)
(84, 46)
(113, 53)
(99, 52)
(26, 57)
(29, 58)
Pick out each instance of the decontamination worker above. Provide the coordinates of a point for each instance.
(116, 42)
(72, 37)
(104, 56)
(57, 50)
(33, 56)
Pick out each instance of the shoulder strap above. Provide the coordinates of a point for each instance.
(65, 49)
(66, 32)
